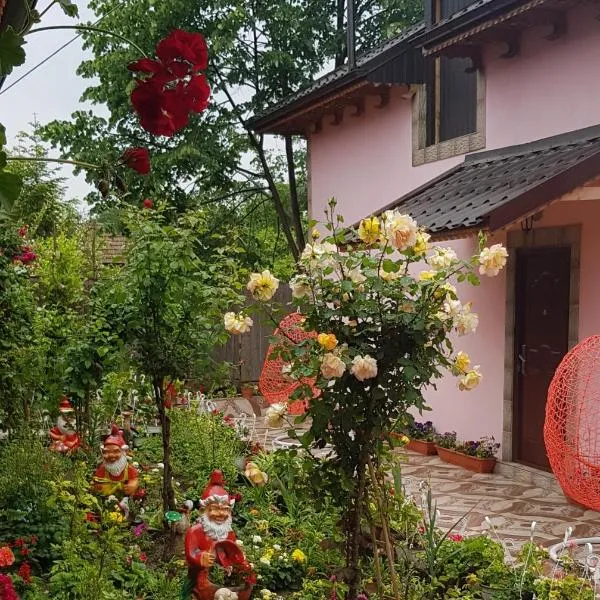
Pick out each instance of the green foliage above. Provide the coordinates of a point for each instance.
(11, 51)
(27, 471)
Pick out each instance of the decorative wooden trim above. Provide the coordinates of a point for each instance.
(422, 153)
(359, 108)
(338, 116)
(558, 20)
(317, 126)
(569, 235)
(512, 39)
(438, 49)
(384, 97)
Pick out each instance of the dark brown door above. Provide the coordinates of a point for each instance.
(541, 340)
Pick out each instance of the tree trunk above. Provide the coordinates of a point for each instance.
(353, 532)
(168, 495)
(294, 204)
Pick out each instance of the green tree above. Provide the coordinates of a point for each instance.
(261, 52)
(166, 304)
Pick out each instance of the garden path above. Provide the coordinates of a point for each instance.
(510, 505)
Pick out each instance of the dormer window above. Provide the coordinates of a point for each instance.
(449, 109)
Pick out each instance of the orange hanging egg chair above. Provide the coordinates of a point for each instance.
(274, 384)
(572, 427)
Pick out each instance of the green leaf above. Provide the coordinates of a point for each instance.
(2, 135)
(69, 8)
(10, 188)
(11, 50)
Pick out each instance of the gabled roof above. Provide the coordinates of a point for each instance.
(396, 61)
(490, 190)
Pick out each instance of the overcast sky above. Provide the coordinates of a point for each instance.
(51, 91)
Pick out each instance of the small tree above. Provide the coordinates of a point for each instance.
(167, 302)
(383, 336)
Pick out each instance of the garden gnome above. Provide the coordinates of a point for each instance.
(115, 476)
(212, 542)
(63, 435)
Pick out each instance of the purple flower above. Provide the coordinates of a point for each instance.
(139, 529)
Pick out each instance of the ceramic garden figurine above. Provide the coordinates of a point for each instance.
(115, 476)
(211, 542)
(63, 435)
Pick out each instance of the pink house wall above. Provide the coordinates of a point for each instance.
(366, 163)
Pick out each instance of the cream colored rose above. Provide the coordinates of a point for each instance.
(332, 366)
(388, 275)
(466, 322)
(400, 230)
(274, 415)
(255, 475)
(492, 260)
(470, 380)
(452, 307)
(317, 254)
(237, 324)
(364, 367)
(300, 286)
(356, 276)
(263, 285)
(442, 258)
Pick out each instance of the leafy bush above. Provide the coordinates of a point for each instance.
(27, 469)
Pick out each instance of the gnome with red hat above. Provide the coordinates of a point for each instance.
(212, 542)
(63, 435)
(115, 476)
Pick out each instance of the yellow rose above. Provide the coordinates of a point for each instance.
(462, 362)
(298, 555)
(255, 475)
(263, 285)
(492, 260)
(470, 380)
(422, 244)
(426, 275)
(369, 230)
(116, 517)
(327, 340)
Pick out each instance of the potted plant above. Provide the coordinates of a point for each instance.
(248, 390)
(422, 438)
(478, 456)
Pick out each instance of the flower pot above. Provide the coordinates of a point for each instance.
(471, 463)
(422, 447)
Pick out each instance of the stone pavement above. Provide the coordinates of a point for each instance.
(510, 504)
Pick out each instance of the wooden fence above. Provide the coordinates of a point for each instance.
(247, 352)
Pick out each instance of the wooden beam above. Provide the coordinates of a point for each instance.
(557, 19)
(316, 126)
(359, 108)
(582, 193)
(512, 39)
(384, 97)
(338, 116)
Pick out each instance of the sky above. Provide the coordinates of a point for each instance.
(52, 91)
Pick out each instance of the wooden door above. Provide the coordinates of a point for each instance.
(541, 340)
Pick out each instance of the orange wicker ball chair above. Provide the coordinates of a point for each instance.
(274, 385)
(572, 427)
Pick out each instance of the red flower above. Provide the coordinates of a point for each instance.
(137, 159)
(90, 517)
(34, 539)
(23, 230)
(7, 590)
(173, 86)
(148, 203)
(455, 537)
(19, 542)
(7, 558)
(24, 551)
(143, 557)
(25, 573)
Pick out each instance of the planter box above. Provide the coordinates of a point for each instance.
(422, 447)
(472, 463)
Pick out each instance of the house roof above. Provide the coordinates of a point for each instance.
(396, 61)
(490, 190)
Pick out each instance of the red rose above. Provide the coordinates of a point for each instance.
(143, 557)
(24, 551)
(23, 230)
(25, 573)
(171, 87)
(19, 542)
(148, 203)
(137, 159)
(183, 45)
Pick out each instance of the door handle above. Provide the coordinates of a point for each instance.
(522, 359)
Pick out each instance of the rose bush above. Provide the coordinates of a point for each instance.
(384, 332)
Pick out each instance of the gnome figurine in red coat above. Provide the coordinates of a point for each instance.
(115, 476)
(63, 435)
(212, 542)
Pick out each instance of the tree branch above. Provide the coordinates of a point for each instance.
(294, 204)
